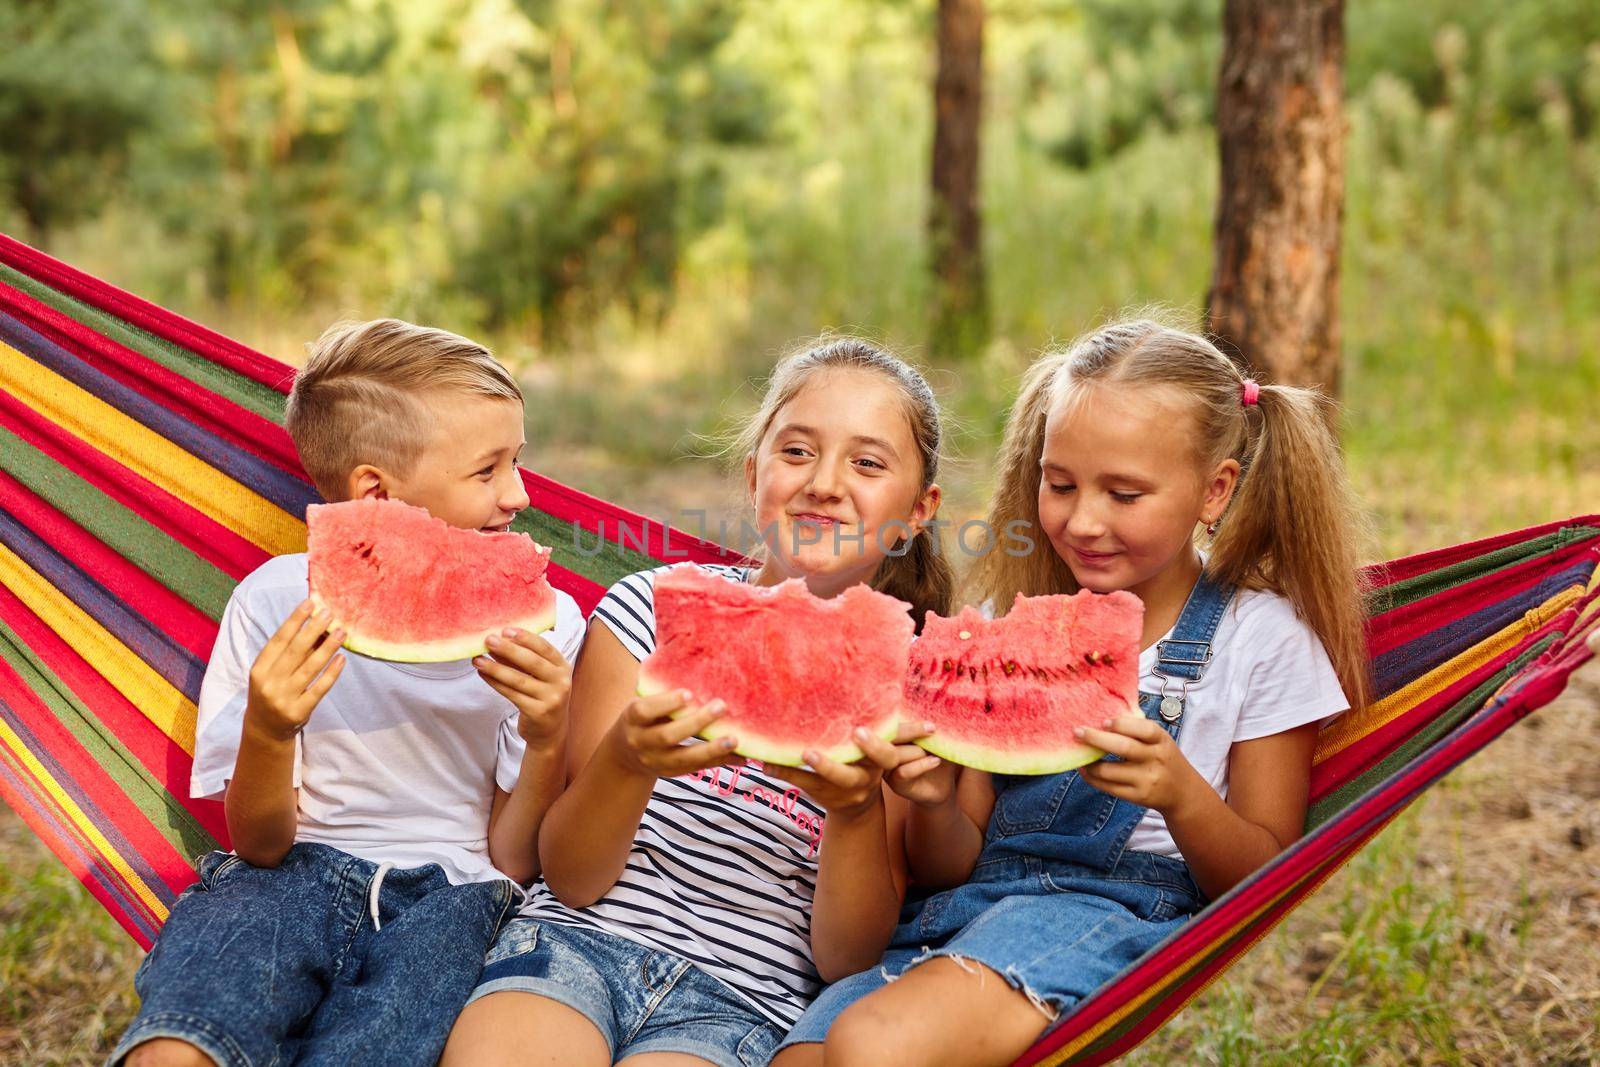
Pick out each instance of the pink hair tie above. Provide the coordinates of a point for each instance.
(1252, 393)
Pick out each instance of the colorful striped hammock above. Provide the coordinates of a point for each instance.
(143, 472)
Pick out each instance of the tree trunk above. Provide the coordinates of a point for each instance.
(1280, 124)
(955, 227)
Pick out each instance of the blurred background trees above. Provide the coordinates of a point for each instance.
(698, 182)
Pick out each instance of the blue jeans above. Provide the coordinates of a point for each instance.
(262, 966)
(640, 999)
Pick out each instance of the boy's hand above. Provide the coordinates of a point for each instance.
(648, 741)
(1153, 772)
(287, 679)
(528, 671)
(849, 789)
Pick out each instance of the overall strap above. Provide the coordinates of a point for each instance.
(1184, 656)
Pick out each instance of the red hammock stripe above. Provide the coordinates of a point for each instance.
(142, 739)
(239, 426)
(165, 324)
(151, 856)
(196, 531)
(1414, 621)
(148, 597)
(74, 853)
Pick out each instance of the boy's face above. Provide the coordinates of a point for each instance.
(467, 473)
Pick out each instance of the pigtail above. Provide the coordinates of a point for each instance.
(1012, 567)
(1293, 527)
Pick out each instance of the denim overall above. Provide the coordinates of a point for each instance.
(1057, 904)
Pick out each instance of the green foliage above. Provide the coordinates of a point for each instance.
(76, 86)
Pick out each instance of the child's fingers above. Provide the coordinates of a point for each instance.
(910, 772)
(1106, 741)
(281, 637)
(538, 643)
(319, 688)
(316, 660)
(511, 677)
(645, 711)
(878, 750)
(539, 694)
(690, 758)
(843, 775)
(520, 653)
(301, 644)
(912, 731)
(678, 730)
(1135, 726)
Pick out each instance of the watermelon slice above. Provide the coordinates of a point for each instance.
(796, 671)
(409, 587)
(1005, 694)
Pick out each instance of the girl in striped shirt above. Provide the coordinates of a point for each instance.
(694, 902)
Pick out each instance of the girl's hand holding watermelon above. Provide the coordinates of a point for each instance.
(1151, 772)
(648, 736)
(847, 789)
(528, 671)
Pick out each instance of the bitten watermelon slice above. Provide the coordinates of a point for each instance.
(1005, 694)
(796, 671)
(409, 587)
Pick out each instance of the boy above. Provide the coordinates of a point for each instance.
(381, 813)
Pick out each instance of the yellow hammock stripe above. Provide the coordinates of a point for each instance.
(1354, 725)
(135, 679)
(80, 821)
(1312, 880)
(147, 453)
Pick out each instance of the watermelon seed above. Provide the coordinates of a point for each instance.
(1093, 658)
(948, 666)
(964, 634)
(1011, 666)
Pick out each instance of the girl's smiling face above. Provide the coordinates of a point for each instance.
(1121, 488)
(837, 481)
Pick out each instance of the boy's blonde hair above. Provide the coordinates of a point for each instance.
(361, 396)
(1293, 525)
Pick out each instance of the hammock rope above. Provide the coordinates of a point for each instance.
(144, 471)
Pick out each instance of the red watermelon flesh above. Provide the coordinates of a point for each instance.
(409, 587)
(1005, 694)
(796, 671)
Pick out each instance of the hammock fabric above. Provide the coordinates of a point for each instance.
(144, 471)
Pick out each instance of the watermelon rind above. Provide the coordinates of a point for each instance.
(456, 648)
(997, 761)
(767, 750)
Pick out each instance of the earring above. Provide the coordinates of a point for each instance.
(1212, 526)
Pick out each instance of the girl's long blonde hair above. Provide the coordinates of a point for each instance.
(1293, 525)
(921, 574)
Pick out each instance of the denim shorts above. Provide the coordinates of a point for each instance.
(639, 998)
(1053, 932)
(259, 966)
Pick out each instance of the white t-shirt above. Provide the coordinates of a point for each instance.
(1268, 673)
(724, 866)
(399, 762)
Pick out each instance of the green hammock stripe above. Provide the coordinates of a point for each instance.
(122, 530)
(1422, 586)
(1441, 724)
(247, 393)
(602, 562)
(163, 810)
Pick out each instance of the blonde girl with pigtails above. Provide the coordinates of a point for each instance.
(1142, 459)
